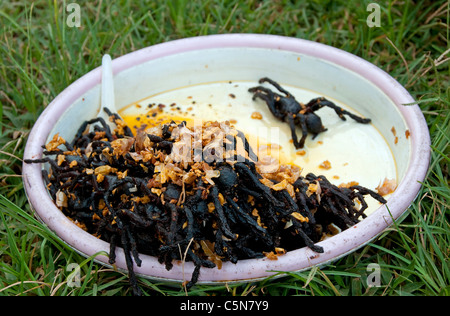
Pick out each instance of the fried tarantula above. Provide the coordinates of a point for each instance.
(288, 109)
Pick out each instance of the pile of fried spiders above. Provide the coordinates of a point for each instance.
(200, 191)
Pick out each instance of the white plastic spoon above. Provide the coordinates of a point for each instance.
(107, 92)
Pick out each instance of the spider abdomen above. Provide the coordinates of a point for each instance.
(314, 123)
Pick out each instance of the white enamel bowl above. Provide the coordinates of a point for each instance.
(308, 68)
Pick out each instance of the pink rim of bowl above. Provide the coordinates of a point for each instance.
(244, 270)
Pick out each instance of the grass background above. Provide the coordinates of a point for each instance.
(40, 56)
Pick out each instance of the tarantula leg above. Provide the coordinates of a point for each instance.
(44, 160)
(83, 127)
(329, 206)
(136, 219)
(301, 200)
(221, 215)
(50, 185)
(248, 148)
(129, 261)
(190, 220)
(291, 122)
(255, 194)
(112, 249)
(292, 126)
(161, 142)
(364, 206)
(306, 239)
(327, 186)
(360, 196)
(199, 191)
(275, 84)
(133, 245)
(222, 248)
(155, 138)
(194, 277)
(318, 103)
(198, 262)
(269, 97)
(373, 194)
(245, 216)
(246, 172)
(173, 223)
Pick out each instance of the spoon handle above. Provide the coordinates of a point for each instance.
(107, 84)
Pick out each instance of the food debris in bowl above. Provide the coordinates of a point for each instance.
(196, 193)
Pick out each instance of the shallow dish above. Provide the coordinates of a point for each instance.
(311, 69)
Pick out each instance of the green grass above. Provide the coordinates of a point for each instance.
(40, 56)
